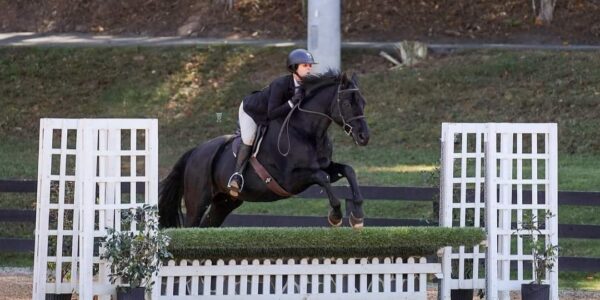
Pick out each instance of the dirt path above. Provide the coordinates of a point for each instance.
(15, 287)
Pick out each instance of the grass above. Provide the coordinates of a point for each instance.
(18, 158)
(17, 200)
(186, 87)
(579, 280)
(227, 243)
(320, 207)
(17, 230)
(20, 259)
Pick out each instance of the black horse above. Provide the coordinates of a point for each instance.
(202, 173)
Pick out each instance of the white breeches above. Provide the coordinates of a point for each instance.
(247, 126)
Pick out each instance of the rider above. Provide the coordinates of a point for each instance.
(274, 101)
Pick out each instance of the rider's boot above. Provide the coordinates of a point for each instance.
(236, 181)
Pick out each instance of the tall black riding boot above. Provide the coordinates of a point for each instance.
(236, 181)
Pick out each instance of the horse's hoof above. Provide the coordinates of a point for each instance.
(358, 226)
(356, 223)
(335, 217)
(333, 222)
(234, 193)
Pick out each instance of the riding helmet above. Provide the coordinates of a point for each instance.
(299, 56)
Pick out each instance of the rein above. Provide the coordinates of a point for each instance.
(345, 123)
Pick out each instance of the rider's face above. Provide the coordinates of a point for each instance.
(304, 69)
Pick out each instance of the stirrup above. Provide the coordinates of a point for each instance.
(231, 179)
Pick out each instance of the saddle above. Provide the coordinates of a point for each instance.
(237, 140)
(260, 170)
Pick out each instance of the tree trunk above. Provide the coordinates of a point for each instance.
(546, 11)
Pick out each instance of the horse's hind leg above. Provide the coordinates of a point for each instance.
(197, 201)
(221, 206)
(336, 171)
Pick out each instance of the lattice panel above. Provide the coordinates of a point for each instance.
(56, 210)
(462, 202)
(125, 176)
(90, 170)
(515, 166)
(523, 182)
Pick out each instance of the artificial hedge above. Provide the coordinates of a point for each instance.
(249, 243)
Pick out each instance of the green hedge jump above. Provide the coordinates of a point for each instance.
(249, 243)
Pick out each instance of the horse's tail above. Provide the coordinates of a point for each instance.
(170, 193)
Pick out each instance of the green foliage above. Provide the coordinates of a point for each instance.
(136, 256)
(228, 243)
(544, 253)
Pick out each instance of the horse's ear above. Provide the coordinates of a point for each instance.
(344, 79)
(355, 79)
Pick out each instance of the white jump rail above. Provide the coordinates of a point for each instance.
(296, 279)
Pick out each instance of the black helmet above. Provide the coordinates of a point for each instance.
(299, 56)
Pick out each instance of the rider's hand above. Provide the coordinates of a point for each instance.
(297, 98)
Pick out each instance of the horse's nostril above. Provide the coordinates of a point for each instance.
(363, 138)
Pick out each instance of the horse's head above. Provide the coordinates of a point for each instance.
(349, 110)
(344, 105)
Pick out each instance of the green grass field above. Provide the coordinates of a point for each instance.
(186, 87)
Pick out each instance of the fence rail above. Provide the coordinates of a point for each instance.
(369, 192)
(372, 193)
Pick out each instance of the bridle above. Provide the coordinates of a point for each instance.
(345, 122)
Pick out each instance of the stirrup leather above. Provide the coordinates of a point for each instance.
(231, 179)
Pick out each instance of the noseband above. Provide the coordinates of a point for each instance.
(346, 123)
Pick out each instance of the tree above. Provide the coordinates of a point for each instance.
(546, 11)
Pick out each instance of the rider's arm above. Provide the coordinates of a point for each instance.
(277, 107)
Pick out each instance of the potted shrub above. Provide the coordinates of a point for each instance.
(135, 256)
(544, 255)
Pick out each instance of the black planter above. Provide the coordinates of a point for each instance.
(131, 294)
(58, 296)
(534, 291)
(461, 294)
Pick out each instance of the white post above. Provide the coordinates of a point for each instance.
(504, 201)
(324, 34)
(491, 221)
(43, 192)
(445, 214)
(552, 200)
(87, 218)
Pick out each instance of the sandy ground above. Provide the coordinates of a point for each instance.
(15, 287)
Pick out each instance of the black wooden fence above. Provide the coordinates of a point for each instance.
(371, 193)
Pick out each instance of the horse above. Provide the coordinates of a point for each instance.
(200, 175)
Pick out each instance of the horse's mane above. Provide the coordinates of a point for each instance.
(315, 82)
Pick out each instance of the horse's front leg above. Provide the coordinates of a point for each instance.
(336, 171)
(335, 214)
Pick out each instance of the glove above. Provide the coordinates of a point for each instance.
(297, 98)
